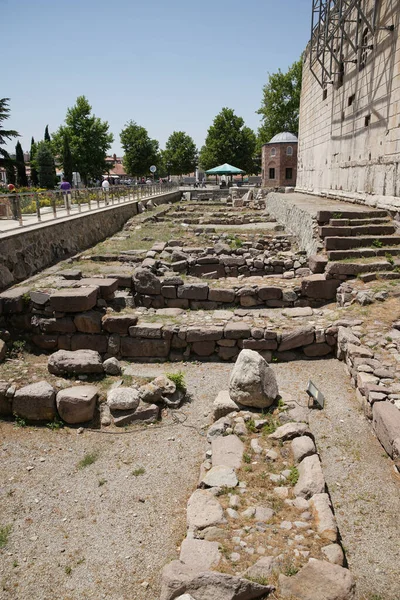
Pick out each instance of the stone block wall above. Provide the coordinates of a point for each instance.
(25, 252)
(349, 136)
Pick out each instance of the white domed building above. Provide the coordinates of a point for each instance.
(279, 161)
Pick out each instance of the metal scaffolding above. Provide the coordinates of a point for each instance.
(340, 30)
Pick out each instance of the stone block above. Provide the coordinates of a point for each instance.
(144, 348)
(317, 286)
(223, 405)
(227, 353)
(146, 330)
(324, 517)
(80, 362)
(201, 334)
(203, 270)
(107, 286)
(227, 451)
(311, 479)
(203, 348)
(178, 303)
(88, 322)
(221, 295)
(317, 263)
(200, 555)
(168, 291)
(195, 291)
(76, 404)
(203, 510)
(145, 282)
(13, 300)
(315, 350)
(74, 300)
(145, 413)
(386, 424)
(237, 331)
(269, 293)
(82, 341)
(296, 338)
(318, 580)
(5, 400)
(258, 344)
(46, 342)
(118, 323)
(62, 325)
(35, 402)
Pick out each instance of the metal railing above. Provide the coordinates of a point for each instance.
(29, 208)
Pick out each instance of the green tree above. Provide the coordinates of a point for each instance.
(32, 160)
(5, 134)
(47, 137)
(180, 154)
(67, 160)
(140, 151)
(89, 140)
(228, 141)
(45, 165)
(22, 179)
(10, 171)
(281, 103)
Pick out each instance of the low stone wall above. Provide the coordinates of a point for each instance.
(299, 222)
(24, 252)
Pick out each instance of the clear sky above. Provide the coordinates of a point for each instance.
(167, 64)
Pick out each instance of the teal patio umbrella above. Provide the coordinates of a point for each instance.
(225, 169)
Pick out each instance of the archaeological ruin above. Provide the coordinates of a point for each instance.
(200, 391)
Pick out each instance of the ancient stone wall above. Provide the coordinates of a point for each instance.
(23, 253)
(349, 135)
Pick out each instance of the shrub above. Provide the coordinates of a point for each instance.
(178, 379)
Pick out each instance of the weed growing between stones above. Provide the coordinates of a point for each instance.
(5, 531)
(19, 421)
(178, 379)
(139, 471)
(88, 459)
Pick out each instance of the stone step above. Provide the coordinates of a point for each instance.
(387, 275)
(356, 222)
(347, 231)
(324, 216)
(363, 252)
(355, 268)
(346, 243)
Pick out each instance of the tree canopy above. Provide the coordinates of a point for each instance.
(281, 103)
(67, 160)
(5, 134)
(180, 154)
(228, 141)
(34, 173)
(89, 140)
(140, 151)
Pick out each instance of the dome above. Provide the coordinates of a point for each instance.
(285, 136)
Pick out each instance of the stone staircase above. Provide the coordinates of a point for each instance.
(360, 243)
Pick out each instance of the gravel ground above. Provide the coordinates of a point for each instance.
(101, 531)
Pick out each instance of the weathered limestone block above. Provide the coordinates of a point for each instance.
(86, 341)
(290, 431)
(145, 413)
(76, 404)
(301, 447)
(252, 381)
(324, 517)
(200, 555)
(220, 476)
(146, 282)
(123, 398)
(106, 286)
(112, 366)
(13, 301)
(315, 350)
(386, 424)
(201, 334)
(74, 300)
(227, 451)
(65, 362)
(296, 338)
(203, 348)
(237, 331)
(194, 291)
(318, 580)
(119, 323)
(334, 554)
(317, 263)
(311, 479)
(203, 510)
(220, 295)
(223, 405)
(269, 293)
(35, 402)
(317, 286)
(62, 325)
(150, 348)
(88, 322)
(146, 330)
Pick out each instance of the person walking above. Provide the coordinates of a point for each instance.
(13, 201)
(66, 192)
(106, 188)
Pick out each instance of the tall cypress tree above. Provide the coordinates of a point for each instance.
(34, 173)
(22, 179)
(10, 171)
(46, 134)
(45, 165)
(67, 159)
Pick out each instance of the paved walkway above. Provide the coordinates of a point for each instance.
(313, 204)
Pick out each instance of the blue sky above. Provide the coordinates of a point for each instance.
(167, 64)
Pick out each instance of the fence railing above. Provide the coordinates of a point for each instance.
(28, 208)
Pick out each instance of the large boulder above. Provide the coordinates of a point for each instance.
(76, 362)
(35, 402)
(318, 580)
(123, 398)
(76, 404)
(252, 381)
